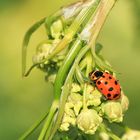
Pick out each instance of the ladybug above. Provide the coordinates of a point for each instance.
(106, 84)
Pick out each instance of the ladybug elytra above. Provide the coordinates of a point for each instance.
(106, 84)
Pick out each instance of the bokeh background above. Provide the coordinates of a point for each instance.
(22, 101)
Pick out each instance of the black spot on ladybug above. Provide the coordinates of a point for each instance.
(106, 82)
(110, 77)
(108, 95)
(98, 73)
(101, 88)
(107, 73)
(116, 95)
(116, 83)
(98, 82)
(110, 89)
(103, 76)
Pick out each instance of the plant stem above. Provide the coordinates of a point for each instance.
(84, 97)
(78, 75)
(108, 131)
(62, 73)
(27, 37)
(49, 119)
(33, 127)
(50, 128)
(100, 17)
(66, 89)
(89, 60)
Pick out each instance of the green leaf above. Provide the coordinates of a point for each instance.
(26, 40)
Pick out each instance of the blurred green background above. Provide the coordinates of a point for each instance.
(22, 101)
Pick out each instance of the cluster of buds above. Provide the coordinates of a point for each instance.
(45, 48)
(97, 109)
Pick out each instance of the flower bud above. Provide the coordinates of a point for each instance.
(68, 109)
(75, 88)
(112, 111)
(131, 135)
(77, 107)
(88, 121)
(56, 29)
(93, 97)
(50, 78)
(76, 100)
(66, 122)
(41, 52)
(64, 126)
(124, 103)
(103, 136)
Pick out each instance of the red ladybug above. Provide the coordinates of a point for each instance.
(106, 84)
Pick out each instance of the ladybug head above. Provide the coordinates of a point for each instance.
(95, 75)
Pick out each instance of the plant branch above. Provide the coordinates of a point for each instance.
(33, 127)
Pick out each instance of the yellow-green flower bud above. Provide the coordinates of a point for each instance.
(74, 98)
(77, 107)
(112, 111)
(51, 78)
(56, 29)
(103, 136)
(64, 126)
(124, 103)
(41, 52)
(66, 122)
(88, 121)
(89, 89)
(93, 98)
(68, 109)
(75, 88)
(131, 135)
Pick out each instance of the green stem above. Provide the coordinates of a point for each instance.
(84, 97)
(83, 64)
(125, 127)
(89, 63)
(79, 76)
(33, 127)
(62, 73)
(26, 40)
(100, 17)
(50, 128)
(65, 90)
(109, 132)
(48, 121)
(102, 13)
